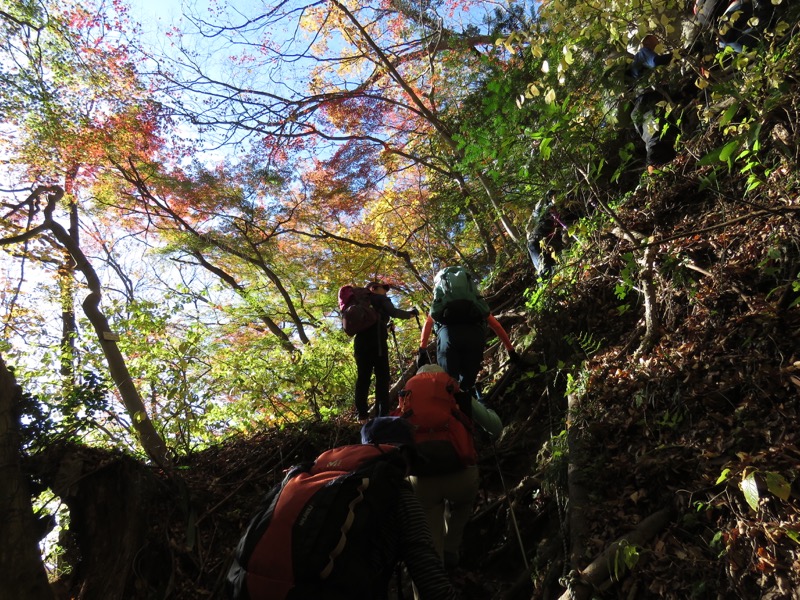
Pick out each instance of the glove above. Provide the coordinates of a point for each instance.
(414, 312)
(422, 357)
(514, 357)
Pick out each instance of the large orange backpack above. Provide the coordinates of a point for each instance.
(314, 534)
(442, 432)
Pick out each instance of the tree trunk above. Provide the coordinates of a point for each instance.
(651, 320)
(597, 575)
(22, 573)
(578, 493)
(151, 440)
(116, 542)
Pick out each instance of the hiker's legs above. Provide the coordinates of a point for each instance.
(382, 376)
(650, 125)
(446, 355)
(459, 351)
(471, 360)
(460, 489)
(365, 363)
(429, 492)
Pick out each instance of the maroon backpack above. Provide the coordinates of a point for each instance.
(358, 313)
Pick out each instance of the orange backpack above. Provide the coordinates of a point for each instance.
(442, 432)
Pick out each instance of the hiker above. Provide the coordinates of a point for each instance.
(337, 529)
(371, 350)
(545, 236)
(649, 119)
(460, 317)
(445, 475)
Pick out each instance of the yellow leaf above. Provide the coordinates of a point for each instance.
(550, 96)
(568, 58)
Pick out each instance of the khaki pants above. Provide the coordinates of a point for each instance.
(447, 501)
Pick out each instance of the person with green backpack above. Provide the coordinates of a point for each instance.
(460, 317)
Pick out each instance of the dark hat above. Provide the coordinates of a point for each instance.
(387, 430)
(373, 284)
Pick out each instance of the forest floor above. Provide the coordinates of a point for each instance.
(702, 428)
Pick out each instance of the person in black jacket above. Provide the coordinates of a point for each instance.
(388, 527)
(371, 349)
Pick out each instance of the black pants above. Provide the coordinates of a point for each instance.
(459, 351)
(657, 133)
(366, 364)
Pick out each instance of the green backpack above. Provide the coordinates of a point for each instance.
(456, 299)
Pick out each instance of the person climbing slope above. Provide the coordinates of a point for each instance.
(445, 476)
(460, 317)
(371, 351)
(337, 528)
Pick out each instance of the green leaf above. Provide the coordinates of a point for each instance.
(777, 485)
(710, 158)
(750, 489)
(728, 115)
(723, 476)
(728, 150)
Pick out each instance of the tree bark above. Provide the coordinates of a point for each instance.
(22, 573)
(598, 573)
(120, 547)
(578, 494)
(151, 440)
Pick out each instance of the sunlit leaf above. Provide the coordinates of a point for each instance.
(728, 150)
(728, 115)
(723, 476)
(750, 489)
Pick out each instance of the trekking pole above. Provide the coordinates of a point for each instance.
(510, 508)
(396, 347)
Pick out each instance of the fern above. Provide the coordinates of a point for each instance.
(585, 341)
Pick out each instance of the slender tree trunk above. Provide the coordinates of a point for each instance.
(578, 493)
(22, 573)
(651, 321)
(151, 440)
(69, 325)
(69, 329)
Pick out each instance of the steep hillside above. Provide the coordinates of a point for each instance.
(691, 445)
(652, 441)
(686, 439)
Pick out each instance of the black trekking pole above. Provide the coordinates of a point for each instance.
(396, 347)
